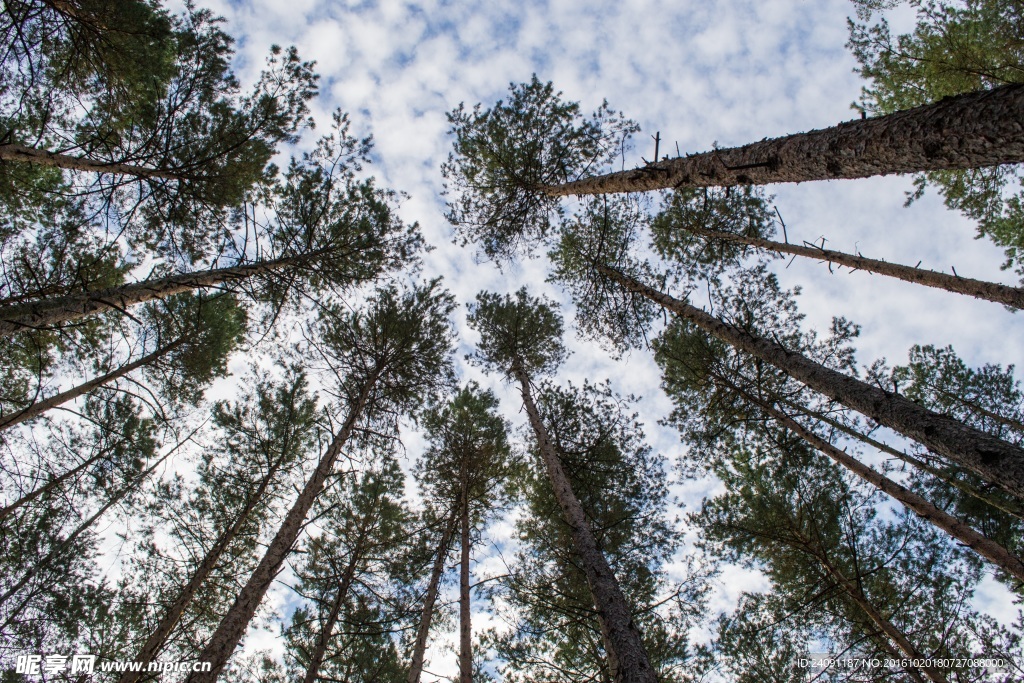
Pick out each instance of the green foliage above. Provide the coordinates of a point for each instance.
(505, 155)
(517, 331)
(957, 46)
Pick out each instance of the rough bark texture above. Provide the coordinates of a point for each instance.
(981, 289)
(420, 647)
(40, 407)
(967, 131)
(465, 627)
(234, 624)
(48, 312)
(977, 542)
(626, 647)
(994, 460)
(42, 157)
(162, 632)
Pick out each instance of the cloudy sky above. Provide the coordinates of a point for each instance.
(725, 71)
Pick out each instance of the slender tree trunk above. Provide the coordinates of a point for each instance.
(980, 289)
(910, 460)
(162, 632)
(987, 548)
(234, 624)
(39, 407)
(82, 528)
(9, 509)
(45, 313)
(882, 624)
(974, 130)
(465, 627)
(42, 157)
(994, 460)
(623, 637)
(420, 647)
(327, 630)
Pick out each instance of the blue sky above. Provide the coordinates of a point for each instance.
(725, 71)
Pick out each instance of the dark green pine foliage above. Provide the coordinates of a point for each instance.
(463, 473)
(352, 579)
(504, 155)
(621, 485)
(955, 47)
(202, 539)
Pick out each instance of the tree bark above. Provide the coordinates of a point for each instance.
(234, 624)
(48, 312)
(465, 627)
(623, 637)
(980, 289)
(9, 509)
(994, 460)
(987, 548)
(162, 632)
(420, 647)
(974, 130)
(39, 407)
(42, 157)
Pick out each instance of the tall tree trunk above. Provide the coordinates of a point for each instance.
(156, 640)
(908, 649)
(316, 658)
(10, 508)
(987, 548)
(623, 637)
(420, 647)
(980, 289)
(42, 157)
(465, 627)
(911, 460)
(234, 624)
(48, 312)
(994, 460)
(82, 528)
(966, 131)
(39, 407)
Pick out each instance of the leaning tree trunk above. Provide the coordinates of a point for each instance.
(966, 131)
(155, 642)
(420, 647)
(316, 658)
(993, 459)
(39, 407)
(465, 627)
(42, 157)
(623, 637)
(984, 546)
(234, 624)
(10, 508)
(981, 289)
(48, 312)
(891, 631)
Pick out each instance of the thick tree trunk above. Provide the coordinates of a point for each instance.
(41, 157)
(966, 131)
(987, 548)
(882, 624)
(39, 407)
(162, 632)
(465, 627)
(623, 637)
(234, 624)
(420, 647)
(316, 658)
(980, 289)
(82, 528)
(994, 460)
(49, 312)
